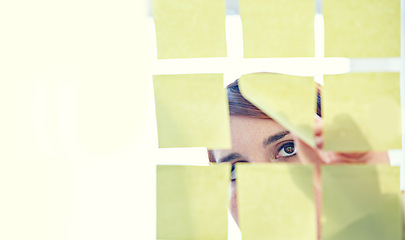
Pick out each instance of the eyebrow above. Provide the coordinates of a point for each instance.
(274, 138)
(229, 157)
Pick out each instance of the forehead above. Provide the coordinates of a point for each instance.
(248, 134)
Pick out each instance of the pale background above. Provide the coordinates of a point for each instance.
(78, 142)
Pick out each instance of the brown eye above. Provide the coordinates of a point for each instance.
(286, 150)
(289, 150)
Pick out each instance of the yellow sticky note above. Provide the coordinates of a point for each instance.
(192, 111)
(190, 28)
(192, 202)
(290, 100)
(362, 28)
(361, 112)
(273, 28)
(275, 201)
(361, 202)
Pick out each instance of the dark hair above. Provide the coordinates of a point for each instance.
(239, 106)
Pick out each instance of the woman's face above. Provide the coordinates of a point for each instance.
(257, 140)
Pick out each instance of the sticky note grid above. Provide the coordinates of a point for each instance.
(192, 202)
(282, 97)
(361, 202)
(361, 112)
(190, 28)
(276, 201)
(271, 28)
(362, 28)
(356, 29)
(192, 111)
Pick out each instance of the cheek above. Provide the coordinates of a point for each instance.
(233, 201)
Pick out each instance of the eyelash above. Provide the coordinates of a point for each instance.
(233, 169)
(233, 173)
(281, 148)
(277, 158)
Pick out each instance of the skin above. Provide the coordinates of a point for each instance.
(257, 140)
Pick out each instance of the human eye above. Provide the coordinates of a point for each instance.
(233, 173)
(285, 151)
(233, 169)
